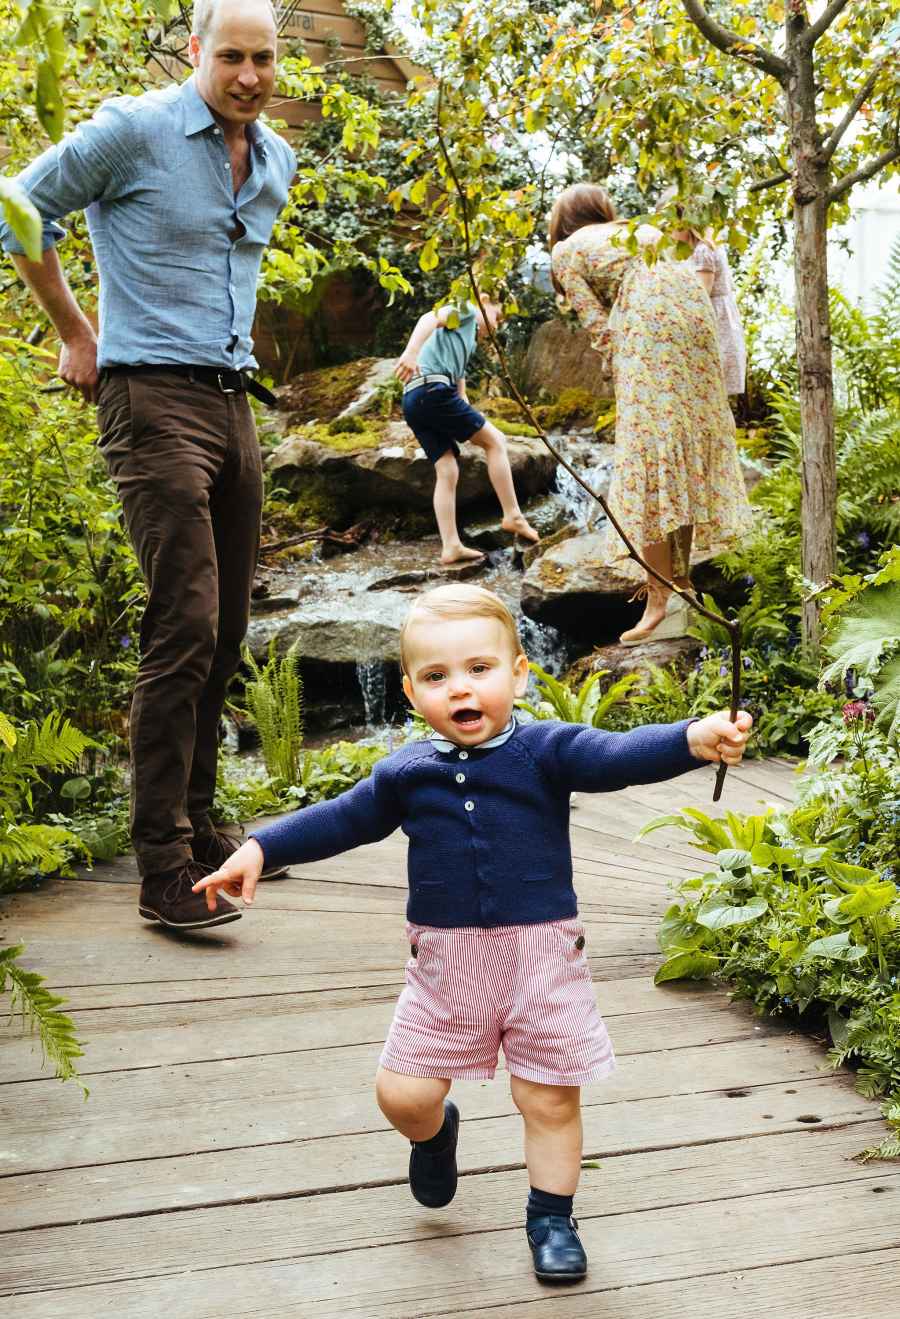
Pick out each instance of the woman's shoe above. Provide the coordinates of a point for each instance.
(673, 623)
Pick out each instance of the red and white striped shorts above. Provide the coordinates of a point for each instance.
(526, 988)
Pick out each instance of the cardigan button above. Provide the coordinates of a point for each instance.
(460, 778)
(464, 755)
(470, 806)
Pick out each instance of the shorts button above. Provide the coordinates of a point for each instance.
(464, 755)
(414, 949)
(470, 806)
(460, 778)
(579, 942)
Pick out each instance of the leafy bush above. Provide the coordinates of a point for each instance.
(793, 926)
(245, 792)
(588, 705)
(862, 616)
(26, 755)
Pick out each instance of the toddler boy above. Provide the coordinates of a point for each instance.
(497, 950)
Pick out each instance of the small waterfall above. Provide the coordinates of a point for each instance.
(579, 507)
(545, 647)
(370, 674)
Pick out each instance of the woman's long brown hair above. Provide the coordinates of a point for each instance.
(583, 203)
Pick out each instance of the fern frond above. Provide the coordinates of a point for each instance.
(40, 1013)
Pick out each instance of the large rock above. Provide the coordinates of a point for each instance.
(349, 610)
(560, 357)
(397, 475)
(573, 588)
(618, 660)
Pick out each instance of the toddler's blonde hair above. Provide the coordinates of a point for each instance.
(458, 601)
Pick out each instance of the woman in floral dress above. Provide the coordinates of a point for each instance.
(677, 478)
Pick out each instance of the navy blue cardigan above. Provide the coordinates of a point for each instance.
(488, 829)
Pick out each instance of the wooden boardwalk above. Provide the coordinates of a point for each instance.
(231, 1160)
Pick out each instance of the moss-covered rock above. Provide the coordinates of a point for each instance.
(320, 395)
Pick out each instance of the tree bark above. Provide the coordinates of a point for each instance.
(814, 364)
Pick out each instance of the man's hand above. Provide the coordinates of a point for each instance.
(238, 876)
(716, 738)
(407, 366)
(78, 364)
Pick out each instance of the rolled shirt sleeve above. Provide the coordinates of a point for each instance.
(90, 164)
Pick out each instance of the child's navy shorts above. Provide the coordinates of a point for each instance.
(440, 419)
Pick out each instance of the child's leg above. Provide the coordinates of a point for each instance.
(446, 477)
(552, 1115)
(500, 475)
(414, 1105)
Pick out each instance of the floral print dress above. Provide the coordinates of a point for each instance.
(676, 462)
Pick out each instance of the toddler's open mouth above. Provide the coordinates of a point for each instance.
(464, 717)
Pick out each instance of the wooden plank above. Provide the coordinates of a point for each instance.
(754, 1161)
(858, 1286)
(312, 1095)
(478, 1267)
(81, 1253)
(117, 1039)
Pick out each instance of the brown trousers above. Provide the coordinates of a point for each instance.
(186, 463)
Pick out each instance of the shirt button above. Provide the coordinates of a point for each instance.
(464, 755)
(228, 167)
(460, 778)
(470, 806)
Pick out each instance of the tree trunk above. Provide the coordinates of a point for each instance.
(813, 340)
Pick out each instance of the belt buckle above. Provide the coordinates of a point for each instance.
(222, 387)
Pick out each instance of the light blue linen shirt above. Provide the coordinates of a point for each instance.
(178, 255)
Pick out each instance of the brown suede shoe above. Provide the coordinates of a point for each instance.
(167, 898)
(212, 849)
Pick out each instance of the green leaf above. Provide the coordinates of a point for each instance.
(22, 218)
(686, 966)
(719, 913)
(869, 900)
(428, 257)
(834, 948)
(732, 858)
(661, 822)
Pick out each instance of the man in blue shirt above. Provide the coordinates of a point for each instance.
(181, 188)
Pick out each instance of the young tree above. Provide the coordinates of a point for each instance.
(840, 126)
(733, 101)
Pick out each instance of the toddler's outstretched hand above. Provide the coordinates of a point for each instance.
(717, 738)
(238, 876)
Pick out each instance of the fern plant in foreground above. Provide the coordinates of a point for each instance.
(40, 1013)
(273, 695)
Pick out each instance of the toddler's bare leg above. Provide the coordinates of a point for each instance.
(446, 478)
(414, 1105)
(552, 1115)
(500, 475)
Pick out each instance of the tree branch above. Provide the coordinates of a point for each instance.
(781, 177)
(864, 172)
(731, 44)
(809, 36)
(830, 145)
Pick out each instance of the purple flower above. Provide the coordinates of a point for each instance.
(747, 662)
(863, 539)
(749, 579)
(723, 670)
(125, 642)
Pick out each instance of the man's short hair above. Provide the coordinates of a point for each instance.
(462, 602)
(205, 12)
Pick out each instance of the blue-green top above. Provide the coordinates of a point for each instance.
(447, 352)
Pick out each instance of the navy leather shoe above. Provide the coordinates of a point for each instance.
(556, 1249)
(432, 1176)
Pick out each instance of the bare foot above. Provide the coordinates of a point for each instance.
(517, 526)
(460, 554)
